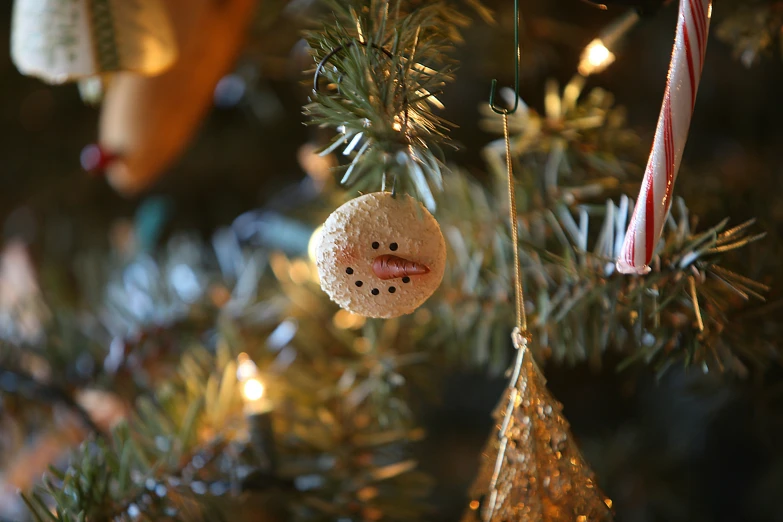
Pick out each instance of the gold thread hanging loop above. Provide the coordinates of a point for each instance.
(519, 299)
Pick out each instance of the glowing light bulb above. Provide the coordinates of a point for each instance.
(595, 58)
(597, 54)
(253, 389)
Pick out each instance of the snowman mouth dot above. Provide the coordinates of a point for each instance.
(393, 247)
(349, 270)
(406, 279)
(376, 245)
(375, 291)
(359, 283)
(392, 289)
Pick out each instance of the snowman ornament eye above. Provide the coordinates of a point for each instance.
(381, 255)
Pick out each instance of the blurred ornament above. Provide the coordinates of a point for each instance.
(381, 255)
(23, 312)
(147, 122)
(532, 468)
(60, 41)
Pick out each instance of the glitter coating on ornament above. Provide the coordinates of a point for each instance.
(532, 469)
(381, 255)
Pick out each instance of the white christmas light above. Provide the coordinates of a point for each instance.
(253, 389)
(595, 58)
(598, 54)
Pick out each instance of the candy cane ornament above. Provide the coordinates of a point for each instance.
(655, 196)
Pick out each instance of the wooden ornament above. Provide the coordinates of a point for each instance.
(147, 122)
(66, 40)
(381, 255)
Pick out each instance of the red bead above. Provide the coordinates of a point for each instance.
(95, 159)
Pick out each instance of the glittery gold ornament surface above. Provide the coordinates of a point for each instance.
(532, 470)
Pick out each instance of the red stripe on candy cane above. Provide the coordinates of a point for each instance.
(655, 196)
(649, 230)
(691, 68)
(667, 141)
(702, 21)
(696, 24)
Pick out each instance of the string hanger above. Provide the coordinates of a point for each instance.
(521, 323)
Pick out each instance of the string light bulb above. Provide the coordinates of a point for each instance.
(252, 388)
(259, 411)
(598, 54)
(595, 58)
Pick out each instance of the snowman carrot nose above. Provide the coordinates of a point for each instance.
(391, 267)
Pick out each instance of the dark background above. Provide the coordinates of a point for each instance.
(689, 447)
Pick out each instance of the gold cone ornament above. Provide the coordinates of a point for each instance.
(67, 40)
(532, 470)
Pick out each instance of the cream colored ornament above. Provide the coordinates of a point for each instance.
(381, 255)
(66, 40)
(146, 123)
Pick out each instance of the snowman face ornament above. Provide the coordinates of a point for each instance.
(381, 255)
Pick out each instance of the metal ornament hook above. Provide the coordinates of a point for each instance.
(320, 67)
(501, 110)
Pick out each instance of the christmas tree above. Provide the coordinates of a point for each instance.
(216, 312)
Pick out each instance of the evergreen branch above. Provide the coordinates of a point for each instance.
(344, 406)
(147, 469)
(580, 307)
(385, 66)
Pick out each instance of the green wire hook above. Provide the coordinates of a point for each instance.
(500, 110)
